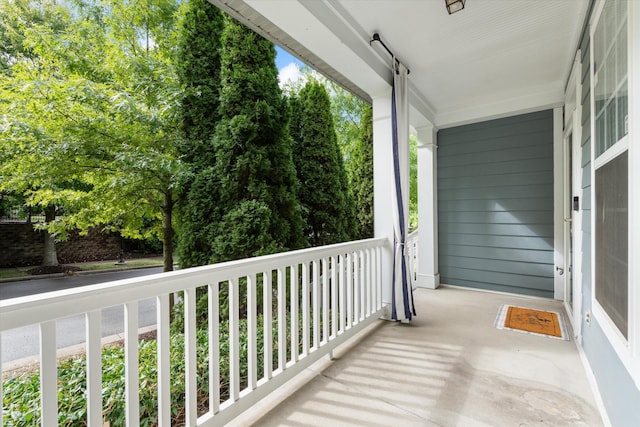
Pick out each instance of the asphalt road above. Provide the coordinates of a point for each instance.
(38, 286)
(24, 342)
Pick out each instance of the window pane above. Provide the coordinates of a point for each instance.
(598, 47)
(621, 11)
(610, 125)
(621, 54)
(610, 66)
(623, 110)
(610, 78)
(612, 254)
(600, 139)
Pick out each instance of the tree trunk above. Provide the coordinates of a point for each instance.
(167, 242)
(167, 231)
(50, 255)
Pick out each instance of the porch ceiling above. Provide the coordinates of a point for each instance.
(494, 58)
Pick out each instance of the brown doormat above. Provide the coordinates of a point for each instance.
(546, 323)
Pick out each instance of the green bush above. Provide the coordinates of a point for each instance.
(22, 392)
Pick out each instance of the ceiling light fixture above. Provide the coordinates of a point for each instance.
(454, 6)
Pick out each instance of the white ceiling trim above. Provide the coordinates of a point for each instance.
(337, 20)
(244, 13)
(542, 98)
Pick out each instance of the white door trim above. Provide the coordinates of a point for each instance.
(573, 127)
(558, 204)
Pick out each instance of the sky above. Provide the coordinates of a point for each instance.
(288, 66)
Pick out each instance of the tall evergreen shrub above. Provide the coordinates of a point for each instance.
(256, 209)
(361, 175)
(328, 208)
(198, 66)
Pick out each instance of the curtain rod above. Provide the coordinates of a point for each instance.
(376, 38)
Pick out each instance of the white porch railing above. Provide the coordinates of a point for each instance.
(411, 246)
(323, 295)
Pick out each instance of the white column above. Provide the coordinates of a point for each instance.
(383, 186)
(427, 275)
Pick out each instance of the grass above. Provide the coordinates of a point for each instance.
(110, 265)
(12, 273)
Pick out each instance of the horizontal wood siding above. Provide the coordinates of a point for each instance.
(495, 204)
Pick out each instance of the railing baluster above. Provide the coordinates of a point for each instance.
(372, 275)
(294, 312)
(415, 260)
(234, 340)
(214, 346)
(191, 385)
(412, 258)
(163, 317)
(343, 296)
(267, 324)
(378, 278)
(48, 374)
(252, 353)
(356, 287)
(365, 284)
(334, 298)
(316, 304)
(374, 293)
(325, 301)
(305, 309)
(363, 279)
(349, 290)
(94, 367)
(282, 320)
(132, 381)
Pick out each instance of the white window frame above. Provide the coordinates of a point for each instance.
(628, 349)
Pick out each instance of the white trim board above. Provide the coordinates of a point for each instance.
(558, 205)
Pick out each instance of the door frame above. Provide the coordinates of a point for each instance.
(572, 177)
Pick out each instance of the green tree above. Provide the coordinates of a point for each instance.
(198, 64)
(361, 175)
(347, 110)
(19, 16)
(198, 68)
(255, 204)
(90, 119)
(327, 204)
(17, 19)
(413, 182)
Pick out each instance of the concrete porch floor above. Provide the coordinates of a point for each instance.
(449, 367)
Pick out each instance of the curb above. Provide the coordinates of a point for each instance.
(75, 273)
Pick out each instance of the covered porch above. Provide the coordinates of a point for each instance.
(520, 109)
(449, 367)
(493, 61)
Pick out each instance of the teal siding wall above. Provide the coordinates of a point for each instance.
(495, 204)
(619, 393)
